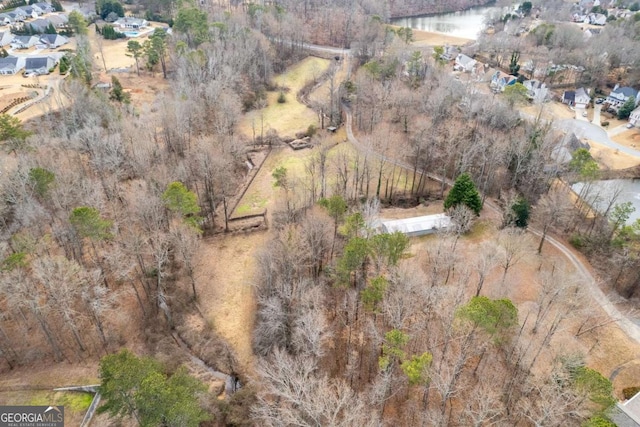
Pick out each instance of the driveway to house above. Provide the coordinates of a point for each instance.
(584, 129)
(596, 114)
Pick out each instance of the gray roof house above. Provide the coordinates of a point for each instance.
(11, 65)
(51, 41)
(627, 414)
(536, 90)
(58, 20)
(464, 63)
(500, 80)
(29, 11)
(5, 19)
(39, 64)
(129, 23)
(620, 95)
(43, 7)
(24, 42)
(596, 19)
(582, 98)
(5, 38)
(16, 17)
(39, 25)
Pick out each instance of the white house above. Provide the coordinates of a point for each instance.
(634, 118)
(128, 23)
(5, 38)
(5, 19)
(51, 41)
(596, 19)
(464, 63)
(417, 226)
(536, 90)
(29, 12)
(11, 65)
(43, 7)
(39, 64)
(24, 42)
(582, 98)
(620, 95)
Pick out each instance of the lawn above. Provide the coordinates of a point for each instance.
(289, 117)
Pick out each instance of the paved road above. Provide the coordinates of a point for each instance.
(584, 129)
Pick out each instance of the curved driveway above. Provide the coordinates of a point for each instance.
(584, 129)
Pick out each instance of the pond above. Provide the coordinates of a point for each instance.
(466, 24)
(601, 192)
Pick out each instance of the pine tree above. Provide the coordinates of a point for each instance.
(464, 192)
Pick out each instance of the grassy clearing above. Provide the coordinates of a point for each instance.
(291, 116)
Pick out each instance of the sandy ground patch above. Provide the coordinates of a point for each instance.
(629, 138)
(427, 38)
(610, 158)
(550, 111)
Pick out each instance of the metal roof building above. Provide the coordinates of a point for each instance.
(417, 226)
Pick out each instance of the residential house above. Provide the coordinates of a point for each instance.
(39, 64)
(536, 90)
(39, 25)
(24, 42)
(58, 20)
(620, 95)
(450, 52)
(43, 8)
(561, 153)
(29, 12)
(11, 65)
(416, 226)
(51, 41)
(128, 23)
(5, 38)
(626, 414)
(577, 17)
(16, 16)
(596, 19)
(464, 63)
(582, 98)
(20, 15)
(634, 118)
(500, 80)
(569, 97)
(5, 19)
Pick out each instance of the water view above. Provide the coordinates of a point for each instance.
(601, 192)
(466, 24)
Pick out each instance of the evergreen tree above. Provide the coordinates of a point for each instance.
(625, 111)
(464, 192)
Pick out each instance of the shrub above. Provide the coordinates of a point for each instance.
(604, 124)
(577, 241)
(629, 392)
(281, 98)
(311, 130)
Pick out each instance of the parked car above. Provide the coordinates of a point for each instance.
(599, 100)
(584, 114)
(629, 126)
(30, 74)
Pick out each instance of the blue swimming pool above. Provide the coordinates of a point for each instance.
(131, 33)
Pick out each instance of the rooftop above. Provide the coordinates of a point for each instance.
(418, 225)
